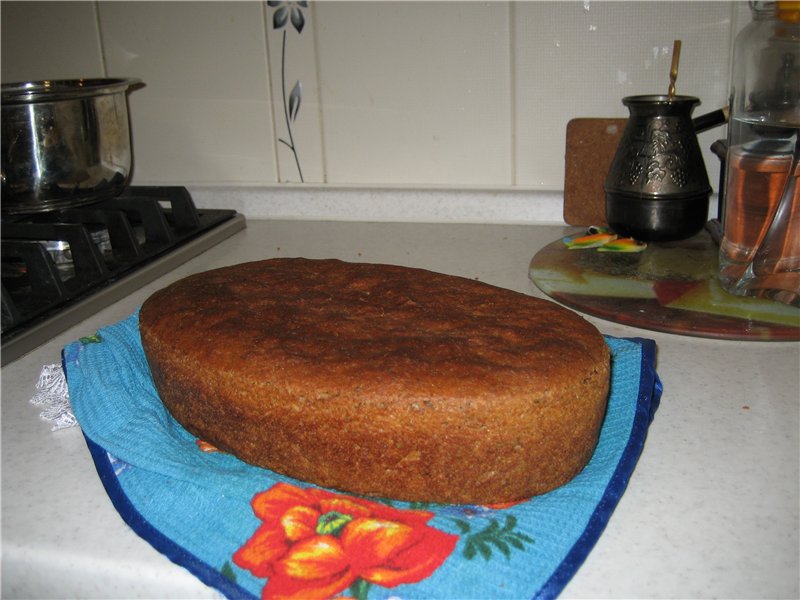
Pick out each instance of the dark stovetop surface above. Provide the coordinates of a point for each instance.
(59, 267)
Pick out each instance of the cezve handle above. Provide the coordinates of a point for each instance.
(711, 120)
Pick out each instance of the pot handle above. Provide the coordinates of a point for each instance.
(711, 120)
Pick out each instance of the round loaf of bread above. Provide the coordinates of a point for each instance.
(380, 380)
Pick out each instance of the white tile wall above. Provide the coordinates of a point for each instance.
(204, 115)
(579, 59)
(41, 40)
(416, 93)
(457, 94)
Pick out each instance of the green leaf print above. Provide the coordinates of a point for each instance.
(227, 572)
(360, 589)
(492, 538)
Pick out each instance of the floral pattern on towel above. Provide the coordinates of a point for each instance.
(313, 543)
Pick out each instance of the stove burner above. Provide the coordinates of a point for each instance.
(52, 261)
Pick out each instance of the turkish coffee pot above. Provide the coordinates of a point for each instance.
(657, 187)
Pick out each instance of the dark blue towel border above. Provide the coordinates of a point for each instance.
(145, 530)
(173, 551)
(650, 388)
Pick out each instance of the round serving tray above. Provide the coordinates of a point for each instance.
(669, 287)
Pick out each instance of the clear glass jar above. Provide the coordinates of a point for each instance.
(760, 247)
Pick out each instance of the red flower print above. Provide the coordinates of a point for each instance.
(314, 544)
(205, 446)
(504, 505)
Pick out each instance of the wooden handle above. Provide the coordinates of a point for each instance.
(673, 71)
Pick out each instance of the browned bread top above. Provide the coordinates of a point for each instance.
(377, 328)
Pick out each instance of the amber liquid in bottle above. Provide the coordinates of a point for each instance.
(760, 250)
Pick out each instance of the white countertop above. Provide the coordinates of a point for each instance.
(711, 510)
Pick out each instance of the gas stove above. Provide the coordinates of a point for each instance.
(61, 266)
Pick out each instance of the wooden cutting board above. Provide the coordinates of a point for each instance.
(591, 144)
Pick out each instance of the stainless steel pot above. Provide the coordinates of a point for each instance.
(64, 143)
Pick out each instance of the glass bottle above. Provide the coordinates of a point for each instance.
(760, 247)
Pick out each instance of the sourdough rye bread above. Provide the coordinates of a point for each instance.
(380, 380)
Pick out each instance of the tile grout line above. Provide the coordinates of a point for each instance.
(513, 92)
(320, 111)
(100, 41)
(270, 95)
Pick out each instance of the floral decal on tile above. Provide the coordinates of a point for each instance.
(289, 12)
(313, 543)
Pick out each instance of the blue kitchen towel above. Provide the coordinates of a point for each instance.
(250, 532)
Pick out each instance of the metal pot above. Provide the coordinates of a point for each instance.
(64, 143)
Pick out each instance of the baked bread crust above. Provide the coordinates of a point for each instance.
(380, 380)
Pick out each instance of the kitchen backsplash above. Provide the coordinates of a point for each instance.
(388, 94)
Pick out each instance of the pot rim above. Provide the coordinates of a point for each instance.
(660, 99)
(51, 90)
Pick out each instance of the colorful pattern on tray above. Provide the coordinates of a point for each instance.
(604, 240)
(250, 532)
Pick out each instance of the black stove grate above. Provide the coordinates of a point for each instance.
(54, 259)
